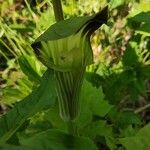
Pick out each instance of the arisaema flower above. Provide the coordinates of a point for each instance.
(65, 47)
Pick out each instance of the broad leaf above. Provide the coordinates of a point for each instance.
(141, 22)
(123, 119)
(98, 128)
(94, 97)
(53, 117)
(92, 103)
(130, 57)
(56, 140)
(116, 3)
(139, 142)
(21, 28)
(53, 140)
(12, 147)
(84, 119)
(30, 67)
(143, 6)
(41, 99)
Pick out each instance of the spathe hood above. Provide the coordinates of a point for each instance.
(71, 26)
(66, 45)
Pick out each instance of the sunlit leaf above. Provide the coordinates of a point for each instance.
(140, 22)
(30, 67)
(40, 99)
(95, 99)
(140, 141)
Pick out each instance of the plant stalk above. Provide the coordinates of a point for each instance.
(58, 12)
(72, 128)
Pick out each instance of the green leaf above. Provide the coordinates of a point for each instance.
(124, 119)
(100, 107)
(12, 147)
(15, 91)
(116, 3)
(94, 78)
(41, 99)
(130, 57)
(98, 128)
(53, 140)
(84, 119)
(128, 118)
(128, 132)
(139, 142)
(95, 99)
(21, 28)
(143, 6)
(92, 102)
(12, 95)
(57, 140)
(30, 67)
(53, 117)
(140, 22)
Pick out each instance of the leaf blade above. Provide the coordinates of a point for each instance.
(35, 102)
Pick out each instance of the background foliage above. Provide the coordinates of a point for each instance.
(115, 94)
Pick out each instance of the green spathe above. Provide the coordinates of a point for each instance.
(65, 47)
(68, 53)
(66, 44)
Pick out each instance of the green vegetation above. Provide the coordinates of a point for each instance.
(81, 82)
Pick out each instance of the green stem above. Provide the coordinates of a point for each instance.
(72, 128)
(57, 6)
